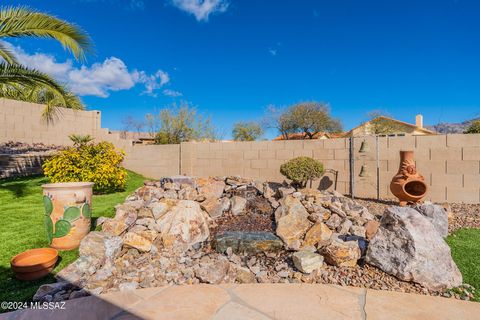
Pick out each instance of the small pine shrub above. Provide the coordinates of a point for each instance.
(302, 169)
(98, 163)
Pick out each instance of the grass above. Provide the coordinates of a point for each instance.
(21, 228)
(465, 246)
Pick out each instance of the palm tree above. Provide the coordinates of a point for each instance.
(23, 83)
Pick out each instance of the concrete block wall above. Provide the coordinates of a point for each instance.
(262, 159)
(450, 163)
(22, 121)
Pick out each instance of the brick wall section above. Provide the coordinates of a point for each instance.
(450, 163)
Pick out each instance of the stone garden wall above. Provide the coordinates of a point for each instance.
(450, 163)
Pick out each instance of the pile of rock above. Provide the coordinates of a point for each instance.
(165, 233)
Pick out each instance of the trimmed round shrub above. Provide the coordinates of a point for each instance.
(302, 169)
(98, 163)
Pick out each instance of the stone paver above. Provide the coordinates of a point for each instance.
(257, 302)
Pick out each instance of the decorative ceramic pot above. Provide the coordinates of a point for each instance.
(68, 209)
(408, 185)
(34, 264)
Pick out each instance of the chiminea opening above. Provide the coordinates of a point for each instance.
(415, 188)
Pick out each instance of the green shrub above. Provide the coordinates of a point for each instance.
(474, 127)
(302, 169)
(98, 163)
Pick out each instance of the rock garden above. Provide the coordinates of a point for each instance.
(185, 230)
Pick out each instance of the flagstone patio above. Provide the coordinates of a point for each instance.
(257, 301)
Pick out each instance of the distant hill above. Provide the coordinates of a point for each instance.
(446, 127)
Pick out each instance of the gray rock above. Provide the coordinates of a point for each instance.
(345, 227)
(408, 246)
(100, 246)
(238, 204)
(50, 289)
(306, 261)
(437, 215)
(249, 242)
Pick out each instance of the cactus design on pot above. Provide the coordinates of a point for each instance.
(64, 224)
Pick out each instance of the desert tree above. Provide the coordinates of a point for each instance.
(474, 127)
(247, 131)
(381, 123)
(182, 123)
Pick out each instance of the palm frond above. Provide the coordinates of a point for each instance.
(21, 21)
(21, 83)
(7, 54)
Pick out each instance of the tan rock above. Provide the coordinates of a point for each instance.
(125, 216)
(145, 213)
(161, 207)
(141, 241)
(319, 234)
(292, 222)
(341, 253)
(307, 261)
(215, 207)
(115, 227)
(210, 188)
(371, 228)
(244, 275)
(184, 225)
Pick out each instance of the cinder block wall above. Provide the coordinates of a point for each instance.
(450, 163)
(22, 122)
(262, 159)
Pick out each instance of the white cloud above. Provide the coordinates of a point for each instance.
(172, 93)
(201, 9)
(273, 52)
(98, 79)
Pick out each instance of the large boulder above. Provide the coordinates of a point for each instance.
(184, 225)
(409, 247)
(437, 215)
(292, 222)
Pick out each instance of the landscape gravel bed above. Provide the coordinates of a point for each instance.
(184, 230)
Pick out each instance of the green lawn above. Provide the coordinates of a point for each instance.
(21, 228)
(465, 245)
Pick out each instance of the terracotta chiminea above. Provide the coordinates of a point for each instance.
(408, 185)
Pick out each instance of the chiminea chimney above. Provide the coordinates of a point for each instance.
(419, 120)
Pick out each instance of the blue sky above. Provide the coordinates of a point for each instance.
(232, 58)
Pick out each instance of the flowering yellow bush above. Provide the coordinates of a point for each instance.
(99, 163)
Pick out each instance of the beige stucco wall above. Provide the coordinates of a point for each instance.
(450, 163)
